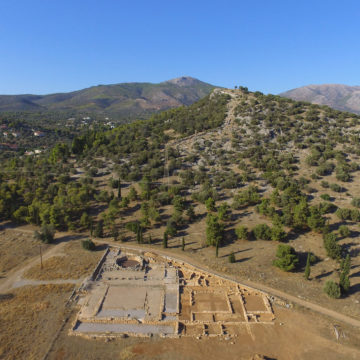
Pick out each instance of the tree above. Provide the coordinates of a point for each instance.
(287, 258)
(344, 230)
(46, 234)
(345, 267)
(214, 230)
(262, 232)
(332, 289)
(99, 229)
(88, 244)
(191, 213)
(278, 233)
(232, 258)
(210, 204)
(183, 244)
(242, 232)
(217, 249)
(85, 220)
(165, 240)
(133, 195)
(307, 267)
(333, 249)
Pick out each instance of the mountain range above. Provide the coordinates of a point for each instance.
(124, 100)
(337, 96)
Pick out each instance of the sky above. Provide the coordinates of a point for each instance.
(49, 46)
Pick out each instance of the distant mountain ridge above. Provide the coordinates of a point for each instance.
(338, 96)
(121, 100)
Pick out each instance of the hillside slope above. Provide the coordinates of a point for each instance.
(337, 96)
(128, 100)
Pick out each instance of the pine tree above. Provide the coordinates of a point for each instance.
(165, 240)
(307, 268)
(138, 235)
(345, 267)
(183, 244)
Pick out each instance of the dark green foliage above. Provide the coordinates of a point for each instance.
(286, 258)
(345, 267)
(344, 231)
(46, 234)
(246, 198)
(99, 232)
(165, 240)
(214, 230)
(210, 204)
(326, 197)
(262, 232)
(88, 244)
(332, 289)
(308, 266)
(133, 226)
(232, 258)
(355, 202)
(333, 249)
(242, 232)
(278, 233)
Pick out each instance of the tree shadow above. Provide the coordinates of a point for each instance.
(101, 247)
(243, 259)
(68, 238)
(4, 297)
(235, 252)
(357, 274)
(321, 276)
(354, 289)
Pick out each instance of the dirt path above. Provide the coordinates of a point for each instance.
(269, 290)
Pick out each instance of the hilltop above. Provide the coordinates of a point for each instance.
(337, 96)
(124, 100)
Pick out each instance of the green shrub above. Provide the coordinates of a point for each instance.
(332, 289)
(242, 232)
(88, 244)
(344, 231)
(286, 258)
(232, 258)
(262, 232)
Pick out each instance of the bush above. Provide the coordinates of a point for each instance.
(333, 249)
(46, 234)
(344, 231)
(88, 245)
(326, 197)
(232, 258)
(355, 202)
(287, 258)
(262, 232)
(332, 289)
(242, 232)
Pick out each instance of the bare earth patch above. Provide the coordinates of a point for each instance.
(74, 264)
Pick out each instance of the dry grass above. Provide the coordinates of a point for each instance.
(29, 318)
(74, 264)
(15, 248)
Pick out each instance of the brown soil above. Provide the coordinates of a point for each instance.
(29, 318)
(74, 263)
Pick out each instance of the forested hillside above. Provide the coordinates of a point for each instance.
(236, 166)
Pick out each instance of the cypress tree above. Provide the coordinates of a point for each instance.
(307, 267)
(165, 240)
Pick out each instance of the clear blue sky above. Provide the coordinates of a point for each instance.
(268, 45)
